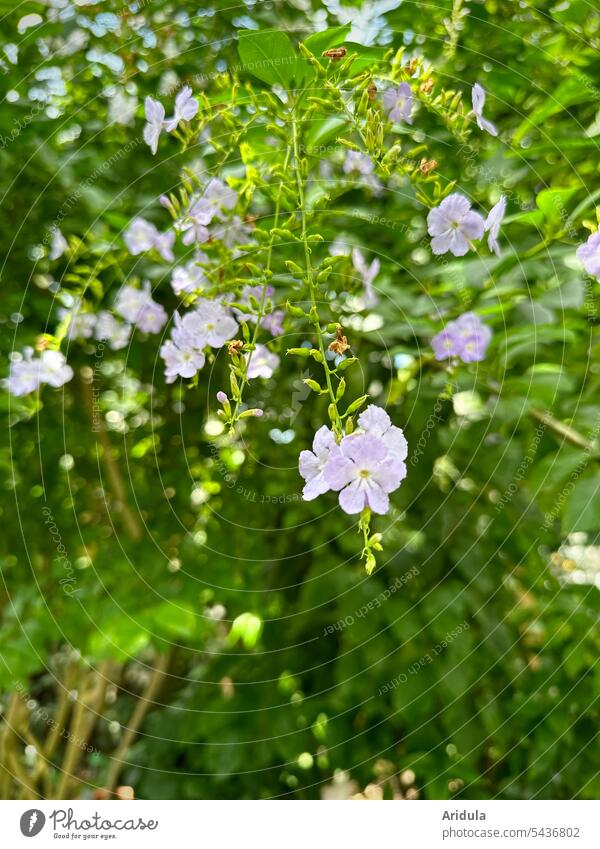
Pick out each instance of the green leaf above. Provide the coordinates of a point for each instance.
(318, 42)
(269, 56)
(582, 512)
(172, 619)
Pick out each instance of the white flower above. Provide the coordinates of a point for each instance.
(454, 225)
(478, 100)
(375, 420)
(220, 196)
(493, 223)
(261, 362)
(24, 374)
(155, 116)
(121, 108)
(185, 109)
(163, 242)
(58, 245)
(54, 369)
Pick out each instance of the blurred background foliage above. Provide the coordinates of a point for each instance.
(196, 600)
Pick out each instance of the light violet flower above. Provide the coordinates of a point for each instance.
(54, 369)
(24, 374)
(108, 329)
(186, 106)
(493, 223)
(467, 338)
(358, 163)
(454, 225)
(233, 233)
(137, 307)
(187, 278)
(194, 223)
(273, 322)
(364, 473)
(589, 254)
(221, 196)
(81, 324)
(478, 100)
(399, 103)
(163, 242)
(140, 236)
(368, 274)
(209, 323)
(312, 464)
(155, 116)
(261, 362)
(180, 362)
(58, 245)
(375, 421)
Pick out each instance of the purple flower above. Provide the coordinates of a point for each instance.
(185, 109)
(312, 464)
(273, 322)
(233, 233)
(358, 163)
(589, 254)
(364, 473)
(187, 278)
(180, 362)
(163, 242)
(399, 103)
(454, 225)
(493, 223)
(478, 100)
(137, 307)
(155, 116)
(108, 329)
(220, 196)
(194, 223)
(222, 397)
(467, 338)
(368, 274)
(375, 421)
(140, 236)
(261, 362)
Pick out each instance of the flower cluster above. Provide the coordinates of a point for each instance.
(208, 324)
(364, 468)
(454, 225)
(27, 373)
(466, 338)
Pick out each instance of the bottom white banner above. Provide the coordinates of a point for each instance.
(302, 824)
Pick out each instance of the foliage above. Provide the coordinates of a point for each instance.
(160, 554)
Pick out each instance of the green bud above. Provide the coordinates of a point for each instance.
(344, 364)
(340, 390)
(294, 268)
(313, 385)
(297, 311)
(356, 405)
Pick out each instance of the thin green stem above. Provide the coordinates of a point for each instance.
(263, 300)
(334, 413)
